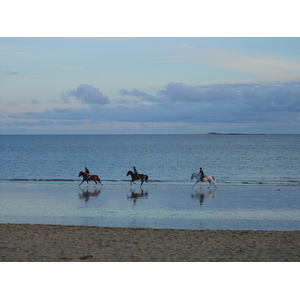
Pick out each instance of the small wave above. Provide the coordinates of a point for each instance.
(33, 179)
(157, 181)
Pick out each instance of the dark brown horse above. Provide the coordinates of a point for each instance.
(95, 178)
(135, 176)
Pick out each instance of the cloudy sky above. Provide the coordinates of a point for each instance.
(149, 85)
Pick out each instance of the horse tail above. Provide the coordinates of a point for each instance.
(214, 179)
(98, 179)
(146, 179)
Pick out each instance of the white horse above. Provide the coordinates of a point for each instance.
(210, 179)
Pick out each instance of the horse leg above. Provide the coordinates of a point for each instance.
(141, 183)
(81, 182)
(195, 183)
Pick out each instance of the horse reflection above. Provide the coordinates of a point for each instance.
(201, 196)
(87, 194)
(135, 196)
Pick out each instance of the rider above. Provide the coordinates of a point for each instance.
(135, 171)
(201, 173)
(87, 172)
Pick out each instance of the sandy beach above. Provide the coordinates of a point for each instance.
(56, 243)
(160, 224)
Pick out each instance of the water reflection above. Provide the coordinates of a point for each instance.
(136, 195)
(201, 196)
(86, 194)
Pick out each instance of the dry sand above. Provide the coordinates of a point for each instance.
(53, 243)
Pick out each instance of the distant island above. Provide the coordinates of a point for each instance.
(218, 133)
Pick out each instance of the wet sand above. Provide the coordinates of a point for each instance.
(155, 206)
(57, 243)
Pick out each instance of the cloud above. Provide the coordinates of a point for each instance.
(12, 104)
(24, 54)
(137, 94)
(180, 103)
(64, 67)
(175, 91)
(262, 65)
(88, 94)
(35, 101)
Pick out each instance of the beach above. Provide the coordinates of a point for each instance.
(57, 243)
(59, 222)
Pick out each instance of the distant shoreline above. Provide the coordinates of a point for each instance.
(95, 134)
(218, 133)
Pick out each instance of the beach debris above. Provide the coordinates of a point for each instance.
(85, 257)
(147, 150)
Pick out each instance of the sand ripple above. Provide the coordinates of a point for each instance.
(38, 243)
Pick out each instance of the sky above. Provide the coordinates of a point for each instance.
(132, 84)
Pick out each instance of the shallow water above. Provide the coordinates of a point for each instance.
(257, 176)
(251, 207)
(231, 159)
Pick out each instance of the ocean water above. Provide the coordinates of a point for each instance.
(231, 159)
(258, 181)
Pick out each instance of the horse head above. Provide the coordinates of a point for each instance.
(129, 173)
(81, 174)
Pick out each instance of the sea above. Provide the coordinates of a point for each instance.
(258, 180)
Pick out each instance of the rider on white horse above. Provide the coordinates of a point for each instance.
(201, 173)
(203, 178)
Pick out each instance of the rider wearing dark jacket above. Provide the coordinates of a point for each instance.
(87, 172)
(201, 173)
(135, 171)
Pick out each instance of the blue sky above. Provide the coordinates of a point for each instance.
(149, 84)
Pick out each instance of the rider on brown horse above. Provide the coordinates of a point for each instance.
(87, 172)
(135, 176)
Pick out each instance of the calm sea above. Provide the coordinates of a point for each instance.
(231, 159)
(257, 176)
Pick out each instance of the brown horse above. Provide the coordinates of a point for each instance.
(135, 176)
(95, 178)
